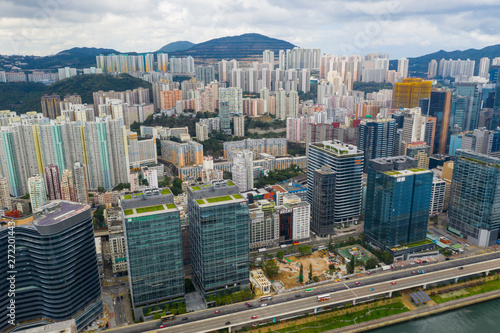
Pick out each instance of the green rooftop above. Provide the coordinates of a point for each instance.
(207, 185)
(392, 173)
(149, 209)
(219, 199)
(230, 183)
(200, 201)
(165, 191)
(127, 197)
(129, 211)
(237, 196)
(419, 243)
(137, 194)
(417, 169)
(196, 188)
(171, 206)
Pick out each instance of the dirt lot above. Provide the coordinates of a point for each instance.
(289, 272)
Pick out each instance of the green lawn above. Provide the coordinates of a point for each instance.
(127, 197)
(230, 183)
(207, 185)
(200, 201)
(237, 196)
(165, 191)
(484, 288)
(171, 206)
(196, 188)
(137, 194)
(149, 209)
(219, 199)
(333, 322)
(129, 211)
(423, 242)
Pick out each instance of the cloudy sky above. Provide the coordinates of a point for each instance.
(406, 28)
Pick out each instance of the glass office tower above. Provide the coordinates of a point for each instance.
(56, 273)
(474, 210)
(219, 236)
(397, 203)
(152, 231)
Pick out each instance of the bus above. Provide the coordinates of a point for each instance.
(265, 298)
(309, 290)
(325, 297)
(167, 317)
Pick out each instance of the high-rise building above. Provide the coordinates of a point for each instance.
(68, 186)
(51, 107)
(225, 117)
(205, 74)
(397, 201)
(475, 198)
(437, 196)
(322, 205)
(264, 232)
(162, 59)
(376, 138)
(219, 236)
(62, 273)
(346, 161)
(154, 250)
(484, 67)
(268, 57)
(5, 201)
(419, 151)
(53, 182)
(38, 195)
(275, 147)
(432, 69)
(438, 105)
(239, 126)
(201, 132)
(243, 170)
(182, 154)
(293, 216)
(280, 108)
(117, 245)
(403, 67)
(81, 187)
(407, 94)
(234, 98)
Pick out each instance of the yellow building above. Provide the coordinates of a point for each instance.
(407, 94)
(261, 286)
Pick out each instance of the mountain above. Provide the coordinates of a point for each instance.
(85, 51)
(243, 47)
(420, 64)
(176, 46)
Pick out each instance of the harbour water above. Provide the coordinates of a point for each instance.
(479, 318)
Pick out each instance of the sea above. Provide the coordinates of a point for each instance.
(478, 318)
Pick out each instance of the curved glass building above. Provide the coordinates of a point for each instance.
(56, 273)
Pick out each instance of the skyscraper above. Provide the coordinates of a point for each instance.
(53, 182)
(234, 98)
(407, 94)
(397, 201)
(346, 161)
(154, 250)
(438, 105)
(322, 206)
(432, 69)
(239, 126)
(376, 138)
(474, 209)
(219, 236)
(205, 74)
(5, 201)
(403, 67)
(67, 186)
(243, 170)
(81, 188)
(38, 195)
(51, 107)
(484, 67)
(61, 281)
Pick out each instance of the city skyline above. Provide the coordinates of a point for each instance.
(408, 29)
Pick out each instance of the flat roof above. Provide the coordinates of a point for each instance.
(223, 199)
(54, 212)
(148, 210)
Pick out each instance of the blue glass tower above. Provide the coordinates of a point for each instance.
(376, 138)
(398, 199)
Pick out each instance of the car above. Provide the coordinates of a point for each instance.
(347, 278)
(161, 326)
(264, 304)
(357, 283)
(332, 290)
(413, 272)
(446, 259)
(297, 295)
(216, 311)
(394, 277)
(421, 272)
(184, 318)
(250, 305)
(228, 323)
(424, 261)
(462, 267)
(247, 304)
(372, 289)
(254, 317)
(393, 282)
(369, 273)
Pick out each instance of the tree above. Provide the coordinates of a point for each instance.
(301, 275)
(101, 189)
(99, 217)
(371, 263)
(350, 265)
(177, 187)
(315, 278)
(331, 267)
(145, 182)
(227, 175)
(280, 254)
(310, 271)
(271, 268)
(305, 250)
(330, 245)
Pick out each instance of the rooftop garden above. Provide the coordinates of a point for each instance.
(137, 194)
(170, 206)
(127, 197)
(414, 244)
(165, 191)
(219, 199)
(149, 209)
(196, 188)
(207, 185)
(237, 196)
(417, 169)
(200, 201)
(392, 173)
(230, 183)
(129, 211)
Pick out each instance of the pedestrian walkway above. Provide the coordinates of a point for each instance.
(195, 302)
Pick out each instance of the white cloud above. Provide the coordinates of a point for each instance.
(400, 28)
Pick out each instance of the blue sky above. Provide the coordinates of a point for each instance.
(399, 28)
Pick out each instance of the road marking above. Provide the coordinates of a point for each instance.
(352, 291)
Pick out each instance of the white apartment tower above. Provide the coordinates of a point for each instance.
(243, 170)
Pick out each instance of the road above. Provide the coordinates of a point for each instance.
(344, 291)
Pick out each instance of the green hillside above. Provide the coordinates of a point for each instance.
(25, 96)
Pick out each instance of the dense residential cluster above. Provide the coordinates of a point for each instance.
(386, 160)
